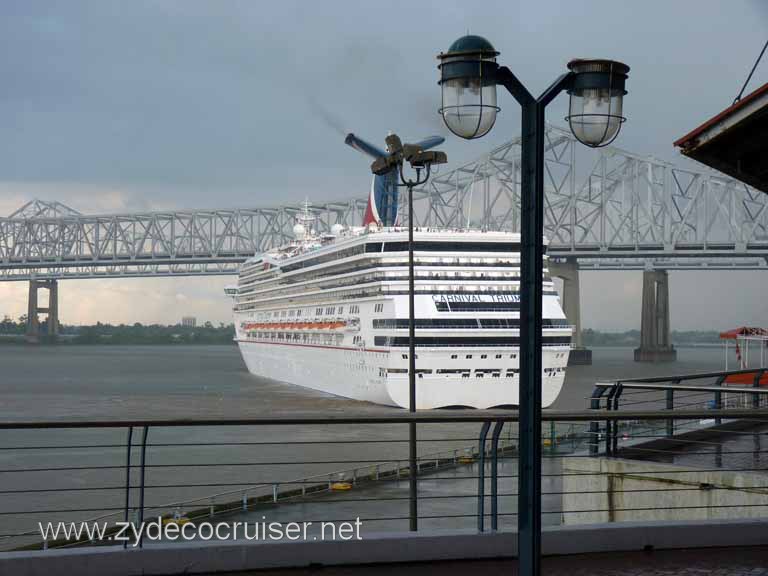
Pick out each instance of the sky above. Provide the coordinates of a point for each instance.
(156, 104)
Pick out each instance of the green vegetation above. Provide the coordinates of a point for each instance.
(99, 333)
(592, 338)
(13, 331)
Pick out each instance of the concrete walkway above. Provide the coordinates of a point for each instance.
(751, 561)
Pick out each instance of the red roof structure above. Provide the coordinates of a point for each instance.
(744, 332)
(735, 141)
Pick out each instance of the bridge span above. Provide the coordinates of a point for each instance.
(614, 210)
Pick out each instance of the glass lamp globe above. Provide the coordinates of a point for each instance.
(468, 83)
(597, 99)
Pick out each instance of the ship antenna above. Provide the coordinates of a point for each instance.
(306, 217)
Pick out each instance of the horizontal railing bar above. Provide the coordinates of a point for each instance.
(658, 509)
(692, 376)
(368, 463)
(694, 486)
(745, 389)
(402, 417)
(277, 443)
(698, 487)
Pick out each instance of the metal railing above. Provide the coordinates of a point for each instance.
(708, 390)
(354, 466)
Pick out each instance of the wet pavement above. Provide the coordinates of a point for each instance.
(752, 561)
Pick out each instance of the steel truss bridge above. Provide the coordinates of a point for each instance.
(614, 210)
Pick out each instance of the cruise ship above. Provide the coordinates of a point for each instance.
(330, 312)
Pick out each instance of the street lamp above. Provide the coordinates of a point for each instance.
(597, 97)
(469, 75)
(420, 160)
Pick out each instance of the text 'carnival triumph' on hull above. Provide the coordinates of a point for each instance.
(330, 312)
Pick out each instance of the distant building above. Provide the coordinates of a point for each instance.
(189, 321)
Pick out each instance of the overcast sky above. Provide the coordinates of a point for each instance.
(143, 104)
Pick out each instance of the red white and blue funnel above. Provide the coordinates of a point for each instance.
(383, 197)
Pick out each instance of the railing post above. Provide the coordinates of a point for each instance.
(615, 428)
(142, 470)
(552, 435)
(481, 477)
(594, 425)
(413, 468)
(128, 445)
(495, 474)
(756, 384)
(610, 425)
(719, 399)
(671, 407)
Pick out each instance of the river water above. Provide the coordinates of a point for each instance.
(82, 471)
(137, 382)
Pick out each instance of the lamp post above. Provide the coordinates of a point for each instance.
(469, 75)
(420, 160)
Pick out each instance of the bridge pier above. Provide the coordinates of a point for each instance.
(568, 272)
(655, 340)
(33, 310)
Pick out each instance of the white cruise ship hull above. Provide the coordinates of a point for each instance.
(354, 374)
(334, 318)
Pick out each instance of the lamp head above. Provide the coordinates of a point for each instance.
(468, 85)
(597, 100)
(424, 159)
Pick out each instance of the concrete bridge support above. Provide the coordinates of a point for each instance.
(568, 272)
(52, 310)
(655, 340)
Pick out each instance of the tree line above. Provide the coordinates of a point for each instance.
(137, 333)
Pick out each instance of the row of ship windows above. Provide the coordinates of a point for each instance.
(483, 356)
(365, 291)
(467, 356)
(306, 338)
(363, 274)
(504, 300)
(251, 280)
(428, 246)
(464, 341)
(320, 311)
(285, 288)
(402, 323)
(381, 290)
(479, 373)
(358, 264)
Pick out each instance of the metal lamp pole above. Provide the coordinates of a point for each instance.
(419, 159)
(412, 455)
(469, 76)
(531, 288)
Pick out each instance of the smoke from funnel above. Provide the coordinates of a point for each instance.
(328, 118)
